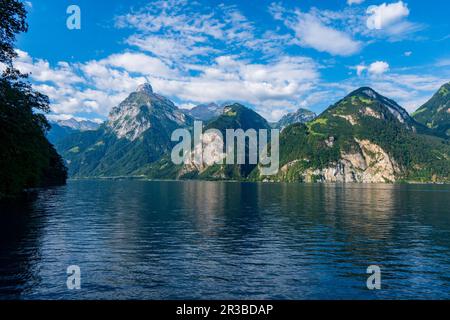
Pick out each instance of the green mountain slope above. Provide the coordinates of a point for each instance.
(363, 138)
(435, 113)
(235, 116)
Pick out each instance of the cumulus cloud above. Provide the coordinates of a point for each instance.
(197, 54)
(98, 85)
(41, 71)
(140, 63)
(376, 68)
(384, 15)
(390, 21)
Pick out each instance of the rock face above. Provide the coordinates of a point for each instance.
(365, 138)
(234, 116)
(299, 116)
(141, 111)
(211, 152)
(370, 165)
(435, 113)
(137, 133)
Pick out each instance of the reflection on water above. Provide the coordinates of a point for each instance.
(211, 240)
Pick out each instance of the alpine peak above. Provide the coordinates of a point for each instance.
(145, 88)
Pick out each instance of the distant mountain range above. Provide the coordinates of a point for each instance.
(364, 137)
(62, 128)
(299, 116)
(205, 112)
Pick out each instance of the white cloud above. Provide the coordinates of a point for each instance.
(385, 15)
(172, 49)
(41, 71)
(408, 53)
(350, 2)
(313, 33)
(378, 67)
(232, 79)
(140, 63)
(196, 54)
(98, 85)
(180, 30)
(360, 69)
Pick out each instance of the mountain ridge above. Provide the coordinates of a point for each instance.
(364, 137)
(435, 113)
(299, 116)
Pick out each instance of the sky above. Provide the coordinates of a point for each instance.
(272, 56)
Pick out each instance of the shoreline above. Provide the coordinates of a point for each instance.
(143, 178)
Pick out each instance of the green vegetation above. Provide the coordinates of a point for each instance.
(321, 142)
(27, 159)
(363, 115)
(101, 153)
(435, 113)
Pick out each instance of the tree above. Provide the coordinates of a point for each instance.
(27, 159)
(13, 21)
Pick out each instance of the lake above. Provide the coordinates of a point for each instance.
(226, 240)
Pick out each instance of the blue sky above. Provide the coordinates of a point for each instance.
(274, 56)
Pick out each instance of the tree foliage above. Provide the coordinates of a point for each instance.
(27, 159)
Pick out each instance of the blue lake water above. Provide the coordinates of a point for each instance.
(226, 240)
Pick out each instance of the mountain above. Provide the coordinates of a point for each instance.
(234, 116)
(137, 133)
(205, 112)
(237, 116)
(365, 137)
(299, 116)
(80, 125)
(62, 128)
(435, 113)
